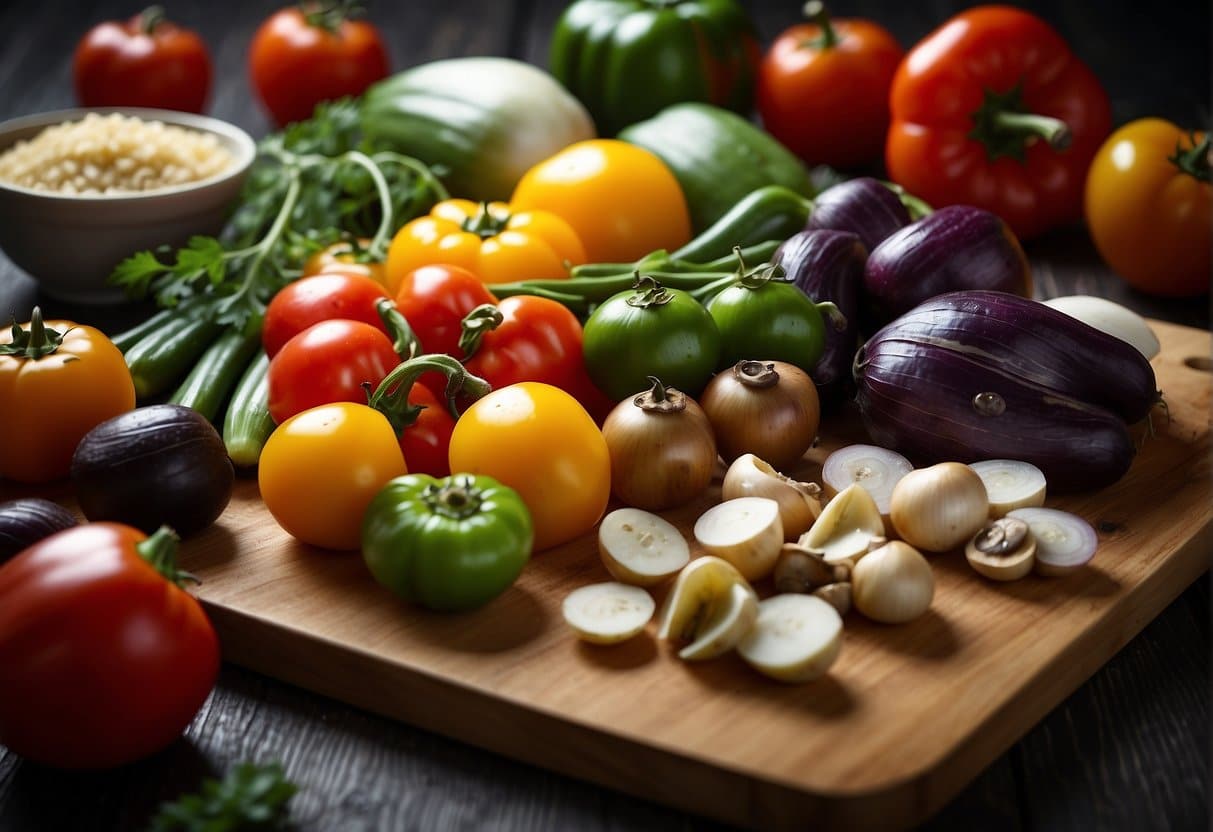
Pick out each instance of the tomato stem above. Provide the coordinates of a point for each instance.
(817, 12)
(36, 342)
(404, 339)
(330, 16)
(648, 292)
(483, 319)
(455, 497)
(1194, 161)
(484, 223)
(1005, 128)
(391, 397)
(160, 551)
(150, 18)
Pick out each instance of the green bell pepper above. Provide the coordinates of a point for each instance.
(627, 59)
(448, 544)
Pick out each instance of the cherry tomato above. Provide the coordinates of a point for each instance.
(536, 340)
(426, 443)
(103, 658)
(320, 469)
(345, 257)
(299, 58)
(1148, 198)
(435, 299)
(58, 381)
(320, 297)
(621, 200)
(145, 62)
(823, 89)
(328, 362)
(538, 440)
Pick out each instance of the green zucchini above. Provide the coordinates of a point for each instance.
(129, 337)
(771, 212)
(717, 157)
(207, 386)
(162, 356)
(247, 424)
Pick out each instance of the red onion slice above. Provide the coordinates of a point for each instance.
(876, 469)
(1064, 542)
(1010, 484)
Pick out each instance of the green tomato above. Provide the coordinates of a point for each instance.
(650, 331)
(768, 321)
(447, 544)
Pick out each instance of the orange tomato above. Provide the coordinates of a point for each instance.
(1147, 204)
(58, 381)
(621, 200)
(344, 257)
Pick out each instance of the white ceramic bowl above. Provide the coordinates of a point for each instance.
(71, 243)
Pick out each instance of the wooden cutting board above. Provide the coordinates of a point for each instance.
(907, 716)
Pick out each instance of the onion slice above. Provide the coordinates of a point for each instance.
(1064, 542)
(1010, 484)
(876, 469)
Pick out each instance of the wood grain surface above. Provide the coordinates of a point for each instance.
(1128, 750)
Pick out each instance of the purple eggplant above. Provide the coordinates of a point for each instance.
(828, 266)
(979, 375)
(954, 249)
(25, 521)
(863, 206)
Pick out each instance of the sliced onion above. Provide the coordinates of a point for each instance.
(1064, 542)
(1010, 484)
(876, 469)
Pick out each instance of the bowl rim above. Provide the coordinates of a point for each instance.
(244, 155)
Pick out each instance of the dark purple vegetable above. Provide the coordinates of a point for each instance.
(863, 206)
(24, 522)
(954, 249)
(985, 375)
(828, 266)
(153, 466)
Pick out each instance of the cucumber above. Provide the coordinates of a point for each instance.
(162, 356)
(771, 212)
(717, 157)
(206, 388)
(247, 424)
(129, 337)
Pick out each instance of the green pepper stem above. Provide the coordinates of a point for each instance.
(817, 12)
(1053, 130)
(1195, 161)
(160, 551)
(391, 397)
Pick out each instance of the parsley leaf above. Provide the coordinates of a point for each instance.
(250, 797)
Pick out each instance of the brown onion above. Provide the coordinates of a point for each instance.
(766, 408)
(662, 449)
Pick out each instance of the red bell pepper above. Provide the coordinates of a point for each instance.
(993, 109)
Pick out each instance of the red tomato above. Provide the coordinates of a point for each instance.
(321, 297)
(299, 58)
(145, 62)
(426, 443)
(327, 363)
(103, 659)
(537, 340)
(435, 299)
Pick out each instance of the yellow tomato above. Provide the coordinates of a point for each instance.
(1148, 199)
(538, 440)
(58, 381)
(491, 240)
(622, 200)
(342, 258)
(320, 469)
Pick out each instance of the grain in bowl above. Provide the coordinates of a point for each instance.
(113, 154)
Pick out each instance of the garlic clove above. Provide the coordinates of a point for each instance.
(799, 505)
(1003, 550)
(893, 584)
(746, 531)
(608, 613)
(640, 548)
(846, 528)
(940, 507)
(795, 638)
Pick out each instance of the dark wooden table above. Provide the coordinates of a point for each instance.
(1128, 750)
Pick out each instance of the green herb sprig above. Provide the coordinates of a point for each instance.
(250, 797)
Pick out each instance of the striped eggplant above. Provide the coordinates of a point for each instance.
(864, 205)
(978, 375)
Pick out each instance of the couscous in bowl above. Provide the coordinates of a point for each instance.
(61, 219)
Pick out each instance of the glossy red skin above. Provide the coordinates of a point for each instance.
(119, 65)
(538, 340)
(941, 83)
(426, 443)
(829, 106)
(321, 297)
(326, 363)
(102, 660)
(435, 299)
(294, 65)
